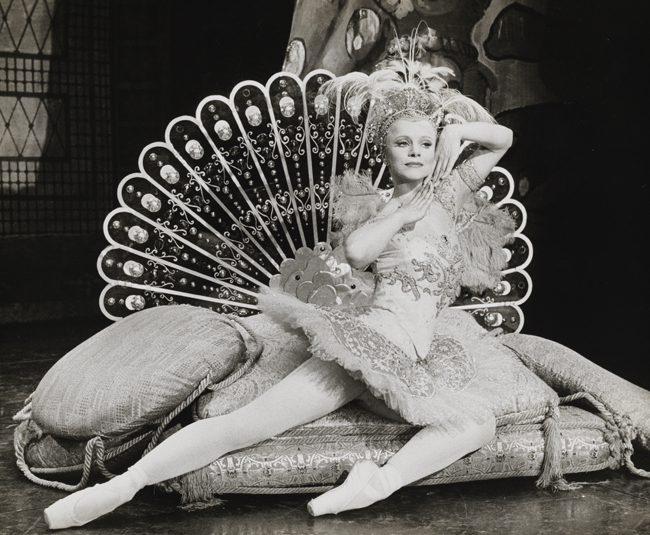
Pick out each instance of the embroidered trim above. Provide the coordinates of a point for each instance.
(449, 363)
(409, 284)
(469, 175)
(445, 276)
(379, 353)
(446, 195)
(442, 270)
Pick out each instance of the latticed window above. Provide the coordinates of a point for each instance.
(55, 157)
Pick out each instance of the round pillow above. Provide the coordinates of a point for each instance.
(136, 371)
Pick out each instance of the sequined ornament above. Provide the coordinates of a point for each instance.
(133, 268)
(135, 302)
(287, 107)
(194, 149)
(169, 174)
(223, 130)
(138, 234)
(151, 202)
(321, 104)
(253, 115)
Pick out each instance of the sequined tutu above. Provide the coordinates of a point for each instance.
(467, 375)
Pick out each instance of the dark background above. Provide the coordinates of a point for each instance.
(585, 156)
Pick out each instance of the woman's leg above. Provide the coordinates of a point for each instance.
(314, 389)
(429, 451)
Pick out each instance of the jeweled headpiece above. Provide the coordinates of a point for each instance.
(408, 103)
(402, 87)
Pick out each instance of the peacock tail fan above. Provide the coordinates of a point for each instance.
(242, 189)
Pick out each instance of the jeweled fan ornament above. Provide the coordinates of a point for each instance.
(238, 197)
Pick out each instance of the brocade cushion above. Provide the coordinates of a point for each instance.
(135, 372)
(314, 456)
(568, 373)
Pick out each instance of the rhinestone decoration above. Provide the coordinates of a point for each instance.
(321, 104)
(138, 234)
(194, 149)
(223, 130)
(151, 202)
(133, 268)
(287, 106)
(169, 174)
(493, 319)
(503, 288)
(353, 106)
(405, 103)
(135, 302)
(486, 192)
(254, 116)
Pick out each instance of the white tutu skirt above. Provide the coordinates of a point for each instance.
(466, 377)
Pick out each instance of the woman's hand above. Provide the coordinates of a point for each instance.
(416, 208)
(447, 151)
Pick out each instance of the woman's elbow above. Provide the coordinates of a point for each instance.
(353, 256)
(507, 138)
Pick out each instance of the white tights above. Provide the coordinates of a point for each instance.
(312, 390)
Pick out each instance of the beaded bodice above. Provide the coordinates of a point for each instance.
(417, 276)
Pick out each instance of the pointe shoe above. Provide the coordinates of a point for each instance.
(98, 500)
(356, 486)
(60, 514)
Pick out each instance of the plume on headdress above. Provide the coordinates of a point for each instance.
(403, 87)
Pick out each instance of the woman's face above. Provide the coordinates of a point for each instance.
(410, 150)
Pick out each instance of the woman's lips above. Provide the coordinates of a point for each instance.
(414, 164)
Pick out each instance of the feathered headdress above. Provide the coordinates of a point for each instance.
(402, 87)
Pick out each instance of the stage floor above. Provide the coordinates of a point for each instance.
(613, 502)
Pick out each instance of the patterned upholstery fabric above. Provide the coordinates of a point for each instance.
(567, 372)
(312, 457)
(135, 372)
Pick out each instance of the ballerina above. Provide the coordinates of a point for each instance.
(429, 363)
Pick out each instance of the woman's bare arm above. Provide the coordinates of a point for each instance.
(494, 139)
(365, 244)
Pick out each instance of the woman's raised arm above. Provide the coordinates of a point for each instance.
(494, 139)
(365, 244)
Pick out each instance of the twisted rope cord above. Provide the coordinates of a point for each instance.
(524, 417)
(114, 452)
(253, 355)
(87, 465)
(623, 428)
(95, 448)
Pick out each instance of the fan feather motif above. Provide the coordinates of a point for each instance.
(242, 189)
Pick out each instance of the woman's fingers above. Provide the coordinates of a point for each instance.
(424, 196)
(448, 167)
(436, 169)
(439, 169)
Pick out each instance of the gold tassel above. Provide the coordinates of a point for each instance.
(551, 476)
